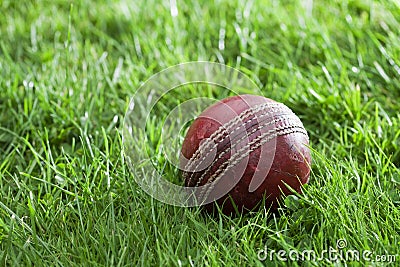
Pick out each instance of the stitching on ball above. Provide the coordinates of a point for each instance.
(227, 126)
(271, 134)
(246, 135)
(212, 141)
(289, 122)
(247, 150)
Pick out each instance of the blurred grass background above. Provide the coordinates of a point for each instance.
(68, 70)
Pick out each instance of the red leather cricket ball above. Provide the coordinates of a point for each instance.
(242, 149)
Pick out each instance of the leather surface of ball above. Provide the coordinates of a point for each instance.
(244, 148)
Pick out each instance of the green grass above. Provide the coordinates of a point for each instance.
(67, 73)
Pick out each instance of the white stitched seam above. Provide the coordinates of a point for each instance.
(273, 107)
(290, 124)
(246, 113)
(233, 161)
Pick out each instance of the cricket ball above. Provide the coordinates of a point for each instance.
(244, 149)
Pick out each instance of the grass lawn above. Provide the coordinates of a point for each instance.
(67, 73)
